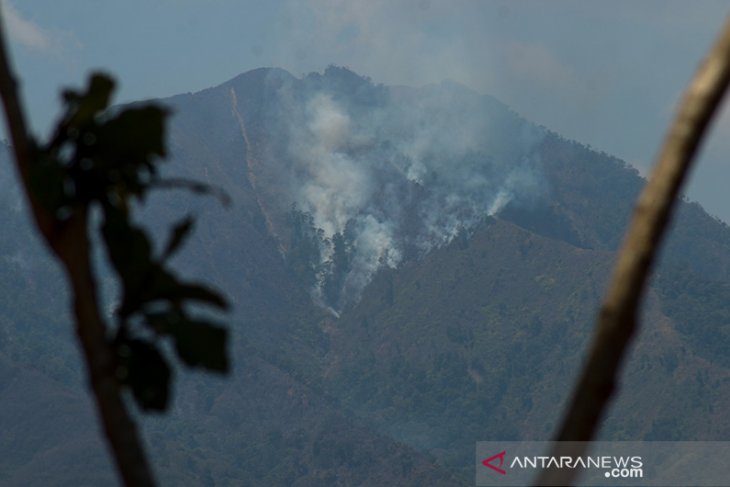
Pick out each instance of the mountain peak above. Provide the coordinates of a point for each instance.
(260, 75)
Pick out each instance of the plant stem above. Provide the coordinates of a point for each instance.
(69, 242)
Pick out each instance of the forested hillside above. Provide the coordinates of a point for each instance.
(412, 270)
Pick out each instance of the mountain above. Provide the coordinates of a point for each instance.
(413, 270)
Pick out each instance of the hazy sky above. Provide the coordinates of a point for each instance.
(604, 73)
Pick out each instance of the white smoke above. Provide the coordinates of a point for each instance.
(334, 188)
(400, 172)
(337, 190)
(376, 246)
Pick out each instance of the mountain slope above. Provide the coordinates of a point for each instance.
(412, 269)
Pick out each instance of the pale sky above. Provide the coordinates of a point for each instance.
(605, 73)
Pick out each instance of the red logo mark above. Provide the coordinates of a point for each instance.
(488, 462)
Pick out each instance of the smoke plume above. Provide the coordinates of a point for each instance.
(396, 172)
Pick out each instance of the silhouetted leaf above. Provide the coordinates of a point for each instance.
(83, 107)
(146, 373)
(198, 292)
(193, 186)
(159, 286)
(132, 140)
(178, 234)
(201, 344)
(129, 249)
(162, 322)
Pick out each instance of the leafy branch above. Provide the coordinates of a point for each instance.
(101, 159)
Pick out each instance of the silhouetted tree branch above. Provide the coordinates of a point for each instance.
(617, 321)
(69, 242)
(100, 159)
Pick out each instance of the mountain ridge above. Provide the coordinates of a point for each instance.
(473, 334)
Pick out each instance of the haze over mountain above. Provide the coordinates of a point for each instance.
(413, 270)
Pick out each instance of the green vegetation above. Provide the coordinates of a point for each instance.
(479, 339)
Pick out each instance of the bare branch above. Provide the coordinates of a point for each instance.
(617, 321)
